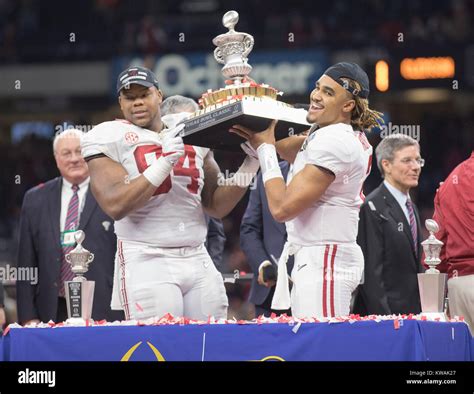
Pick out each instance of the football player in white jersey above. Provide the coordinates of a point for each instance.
(321, 200)
(158, 190)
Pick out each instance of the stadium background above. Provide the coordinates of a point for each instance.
(59, 61)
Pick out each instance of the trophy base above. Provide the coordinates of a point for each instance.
(79, 297)
(210, 128)
(432, 292)
(76, 321)
(435, 316)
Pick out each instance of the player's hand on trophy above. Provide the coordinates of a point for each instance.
(256, 139)
(173, 145)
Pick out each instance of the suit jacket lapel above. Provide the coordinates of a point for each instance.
(89, 207)
(281, 227)
(54, 207)
(398, 215)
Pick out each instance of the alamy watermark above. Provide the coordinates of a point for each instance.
(238, 178)
(412, 131)
(37, 377)
(60, 128)
(10, 273)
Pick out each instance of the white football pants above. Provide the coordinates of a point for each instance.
(324, 278)
(151, 281)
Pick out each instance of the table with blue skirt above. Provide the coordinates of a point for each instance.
(387, 340)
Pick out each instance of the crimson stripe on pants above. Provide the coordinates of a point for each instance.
(325, 307)
(333, 257)
(122, 280)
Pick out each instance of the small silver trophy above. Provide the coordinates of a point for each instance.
(80, 291)
(242, 101)
(432, 283)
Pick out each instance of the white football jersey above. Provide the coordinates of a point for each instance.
(334, 217)
(173, 217)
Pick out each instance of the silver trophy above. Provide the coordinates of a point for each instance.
(432, 283)
(232, 49)
(79, 292)
(242, 101)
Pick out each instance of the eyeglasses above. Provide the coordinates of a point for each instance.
(66, 155)
(407, 161)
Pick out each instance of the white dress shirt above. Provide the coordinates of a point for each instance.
(400, 197)
(66, 195)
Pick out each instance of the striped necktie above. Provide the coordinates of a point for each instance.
(71, 224)
(414, 231)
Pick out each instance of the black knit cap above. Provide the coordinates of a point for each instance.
(351, 71)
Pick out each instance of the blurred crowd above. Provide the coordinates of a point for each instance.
(32, 30)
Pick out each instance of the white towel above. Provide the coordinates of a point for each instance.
(281, 298)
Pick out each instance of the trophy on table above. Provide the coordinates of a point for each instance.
(432, 283)
(241, 101)
(79, 291)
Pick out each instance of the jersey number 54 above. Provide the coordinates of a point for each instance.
(146, 154)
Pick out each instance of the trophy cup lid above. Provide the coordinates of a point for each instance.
(431, 226)
(79, 237)
(230, 19)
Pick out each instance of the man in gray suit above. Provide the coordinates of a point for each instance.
(262, 239)
(50, 215)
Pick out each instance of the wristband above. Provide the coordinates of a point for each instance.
(269, 162)
(158, 171)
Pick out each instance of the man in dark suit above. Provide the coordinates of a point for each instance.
(50, 215)
(215, 241)
(390, 234)
(262, 239)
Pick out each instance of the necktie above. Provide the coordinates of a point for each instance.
(414, 231)
(71, 224)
